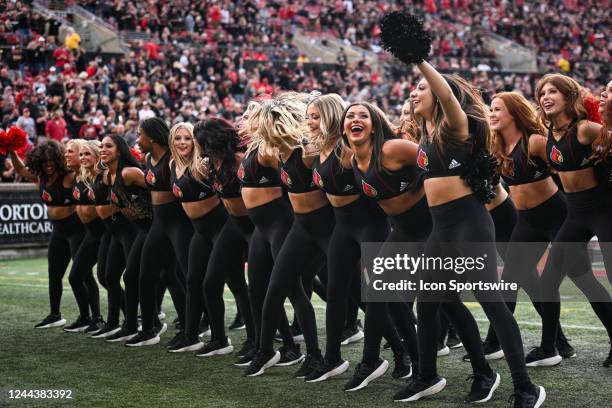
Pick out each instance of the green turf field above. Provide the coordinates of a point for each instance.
(109, 375)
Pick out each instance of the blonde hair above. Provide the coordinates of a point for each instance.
(86, 175)
(330, 107)
(194, 163)
(281, 123)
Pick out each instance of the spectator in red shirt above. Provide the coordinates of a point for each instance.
(62, 57)
(56, 127)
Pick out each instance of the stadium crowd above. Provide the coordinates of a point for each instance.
(194, 62)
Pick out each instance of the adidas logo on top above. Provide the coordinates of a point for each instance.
(202, 195)
(403, 185)
(348, 187)
(585, 161)
(263, 180)
(536, 174)
(454, 164)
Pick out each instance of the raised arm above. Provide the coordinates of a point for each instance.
(21, 168)
(453, 114)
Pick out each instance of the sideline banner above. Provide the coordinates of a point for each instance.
(23, 217)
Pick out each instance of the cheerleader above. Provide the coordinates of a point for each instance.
(569, 147)
(272, 216)
(219, 142)
(457, 171)
(46, 166)
(81, 278)
(282, 129)
(192, 187)
(168, 237)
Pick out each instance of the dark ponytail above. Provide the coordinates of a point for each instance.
(156, 129)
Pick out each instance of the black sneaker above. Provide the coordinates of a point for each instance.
(532, 399)
(95, 326)
(417, 389)
(183, 345)
(216, 348)
(122, 335)
(238, 323)
(452, 340)
(443, 350)
(403, 367)
(290, 356)
(323, 369)
(365, 373)
(565, 348)
(295, 332)
(143, 339)
(310, 362)
(106, 331)
(608, 361)
(483, 387)
(491, 351)
(246, 347)
(178, 337)
(351, 336)
(79, 325)
(538, 358)
(246, 359)
(260, 362)
(50, 321)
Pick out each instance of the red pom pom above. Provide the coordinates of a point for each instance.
(3, 141)
(21, 152)
(136, 154)
(18, 138)
(591, 104)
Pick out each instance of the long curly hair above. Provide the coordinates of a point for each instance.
(48, 151)
(219, 141)
(156, 129)
(526, 120)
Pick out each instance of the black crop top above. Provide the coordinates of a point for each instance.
(568, 154)
(157, 177)
(524, 170)
(252, 174)
(56, 195)
(295, 175)
(433, 161)
(82, 194)
(188, 189)
(100, 190)
(227, 187)
(331, 177)
(382, 185)
(134, 201)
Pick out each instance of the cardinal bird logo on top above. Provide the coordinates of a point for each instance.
(556, 155)
(423, 160)
(240, 172)
(176, 191)
(285, 178)
(316, 177)
(368, 189)
(150, 178)
(218, 186)
(46, 197)
(76, 193)
(114, 198)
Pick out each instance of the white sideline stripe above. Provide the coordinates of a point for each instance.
(520, 322)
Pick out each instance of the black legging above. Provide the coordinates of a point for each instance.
(537, 227)
(132, 273)
(169, 237)
(356, 222)
(81, 277)
(207, 229)
(123, 234)
(301, 257)
(226, 264)
(272, 223)
(589, 213)
(65, 239)
(466, 220)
